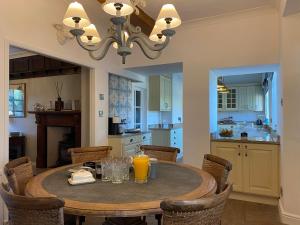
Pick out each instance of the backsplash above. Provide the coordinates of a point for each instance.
(120, 97)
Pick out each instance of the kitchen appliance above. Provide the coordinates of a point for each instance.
(116, 125)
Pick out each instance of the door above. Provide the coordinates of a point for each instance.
(165, 94)
(261, 169)
(232, 153)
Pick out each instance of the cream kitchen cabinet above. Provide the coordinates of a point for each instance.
(128, 145)
(250, 98)
(160, 93)
(169, 137)
(255, 166)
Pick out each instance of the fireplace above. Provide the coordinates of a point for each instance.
(46, 119)
(64, 157)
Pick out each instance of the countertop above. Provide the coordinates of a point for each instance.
(125, 135)
(264, 139)
(165, 126)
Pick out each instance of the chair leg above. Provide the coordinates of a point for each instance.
(158, 217)
(80, 220)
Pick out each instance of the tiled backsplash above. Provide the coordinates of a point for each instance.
(120, 97)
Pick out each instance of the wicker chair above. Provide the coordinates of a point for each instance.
(89, 154)
(32, 211)
(203, 211)
(219, 168)
(161, 152)
(18, 172)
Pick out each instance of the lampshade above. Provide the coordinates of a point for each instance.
(156, 35)
(118, 7)
(168, 12)
(74, 11)
(91, 35)
(115, 44)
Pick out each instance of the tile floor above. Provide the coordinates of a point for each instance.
(236, 213)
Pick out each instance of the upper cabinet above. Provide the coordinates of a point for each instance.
(160, 93)
(246, 98)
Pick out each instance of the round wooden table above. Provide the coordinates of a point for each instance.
(176, 181)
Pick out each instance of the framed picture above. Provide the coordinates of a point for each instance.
(17, 100)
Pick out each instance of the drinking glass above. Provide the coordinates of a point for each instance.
(141, 168)
(117, 172)
(106, 167)
(126, 162)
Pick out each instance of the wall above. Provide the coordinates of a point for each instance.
(290, 154)
(42, 90)
(242, 39)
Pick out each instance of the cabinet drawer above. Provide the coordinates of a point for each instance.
(146, 137)
(130, 150)
(131, 140)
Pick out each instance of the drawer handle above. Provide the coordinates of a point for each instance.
(131, 140)
(246, 146)
(246, 154)
(239, 146)
(239, 154)
(144, 137)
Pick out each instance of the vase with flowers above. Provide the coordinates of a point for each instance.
(59, 104)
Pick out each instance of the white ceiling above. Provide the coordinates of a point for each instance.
(244, 79)
(158, 69)
(195, 9)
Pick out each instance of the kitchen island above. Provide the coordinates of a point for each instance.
(255, 161)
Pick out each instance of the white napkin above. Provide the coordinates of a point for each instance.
(81, 177)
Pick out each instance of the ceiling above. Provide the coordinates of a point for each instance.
(244, 79)
(195, 9)
(158, 69)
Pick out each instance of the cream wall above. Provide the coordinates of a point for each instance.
(290, 70)
(42, 90)
(245, 39)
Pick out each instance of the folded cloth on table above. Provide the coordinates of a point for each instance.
(81, 177)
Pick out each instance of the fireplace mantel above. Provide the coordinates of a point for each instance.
(46, 119)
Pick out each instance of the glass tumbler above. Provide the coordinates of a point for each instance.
(106, 168)
(117, 173)
(141, 168)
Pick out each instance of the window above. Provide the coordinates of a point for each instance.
(137, 109)
(17, 100)
(220, 100)
(231, 99)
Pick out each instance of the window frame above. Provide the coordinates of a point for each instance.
(23, 88)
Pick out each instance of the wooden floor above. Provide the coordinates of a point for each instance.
(236, 213)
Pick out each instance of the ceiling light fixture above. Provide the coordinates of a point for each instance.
(221, 87)
(122, 34)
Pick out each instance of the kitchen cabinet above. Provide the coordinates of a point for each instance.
(255, 166)
(160, 93)
(128, 145)
(246, 98)
(169, 138)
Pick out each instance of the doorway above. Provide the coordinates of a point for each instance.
(38, 86)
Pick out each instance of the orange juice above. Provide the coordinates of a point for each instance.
(141, 167)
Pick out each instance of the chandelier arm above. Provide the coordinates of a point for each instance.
(142, 47)
(103, 51)
(96, 47)
(146, 42)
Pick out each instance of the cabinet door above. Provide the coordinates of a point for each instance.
(261, 169)
(259, 99)
(242, 98)
(231, 99)
(232, 153)
(165, 94)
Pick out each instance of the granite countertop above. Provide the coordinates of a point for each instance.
(125, 135)
(165, 126)
(264, 139)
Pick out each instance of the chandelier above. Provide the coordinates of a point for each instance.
(121, 35)
(221, 87)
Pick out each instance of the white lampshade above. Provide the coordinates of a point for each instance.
(115, 44)
(76, 10)
(110, 7)
(91, 35)
(156, 32)
(168, 11)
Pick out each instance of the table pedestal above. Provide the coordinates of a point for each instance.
(124, 221)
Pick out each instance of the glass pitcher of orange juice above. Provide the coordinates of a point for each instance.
(141, 168)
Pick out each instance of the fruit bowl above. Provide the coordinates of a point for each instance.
(226, 133)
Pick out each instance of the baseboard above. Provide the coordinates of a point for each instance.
(254, 198)
(288, 218)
